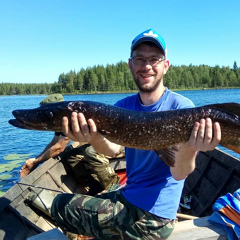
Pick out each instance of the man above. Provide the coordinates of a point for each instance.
(147, 206)
(55, 147)
(89, 168)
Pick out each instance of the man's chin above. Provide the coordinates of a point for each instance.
(146, 89)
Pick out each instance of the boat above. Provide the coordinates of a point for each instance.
(216, 174)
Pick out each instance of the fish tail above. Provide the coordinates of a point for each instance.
(230, 108)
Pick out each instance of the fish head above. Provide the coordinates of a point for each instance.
(46, 118)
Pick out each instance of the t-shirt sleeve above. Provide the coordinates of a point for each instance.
(181, 102)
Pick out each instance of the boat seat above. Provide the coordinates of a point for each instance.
(197, 229)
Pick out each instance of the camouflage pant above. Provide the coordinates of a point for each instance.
(90, 168)
(107, 216)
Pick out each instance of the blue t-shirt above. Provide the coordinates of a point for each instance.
(150, 185)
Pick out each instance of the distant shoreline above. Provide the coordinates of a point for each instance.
(119, 92)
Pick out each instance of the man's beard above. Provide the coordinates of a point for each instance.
(147, 89)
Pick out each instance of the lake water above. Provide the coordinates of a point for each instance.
(17, 145)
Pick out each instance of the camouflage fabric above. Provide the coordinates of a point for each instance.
(90, 169)
(107, 216)
(100, 166)
(74, 158)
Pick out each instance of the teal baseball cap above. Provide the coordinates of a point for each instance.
(151, 36)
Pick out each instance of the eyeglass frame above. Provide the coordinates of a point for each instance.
(148, 59)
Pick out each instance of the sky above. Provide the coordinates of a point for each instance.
(39, 40)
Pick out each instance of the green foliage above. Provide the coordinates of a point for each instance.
(118, 78)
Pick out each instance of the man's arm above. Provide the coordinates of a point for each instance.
(54, 140)
(54, 150)
(56, 146)
(205, 137)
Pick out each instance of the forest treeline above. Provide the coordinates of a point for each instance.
(118, 78)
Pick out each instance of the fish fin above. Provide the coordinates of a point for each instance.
(232, 108)
(167, 155)
(233, 145)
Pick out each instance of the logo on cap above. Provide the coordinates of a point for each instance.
(151, 34)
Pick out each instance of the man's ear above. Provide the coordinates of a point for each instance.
(166, 66)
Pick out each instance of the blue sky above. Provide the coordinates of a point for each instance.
(39, 40)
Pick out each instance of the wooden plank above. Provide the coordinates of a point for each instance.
(10, 195)
(197, 229)
(54, 234)
(27, 212)
(44, 224)
(31, 179)
(48, 183)
(62, 179)
(39, 172)
(15, 203)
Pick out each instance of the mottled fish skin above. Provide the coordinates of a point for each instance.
(142, 130)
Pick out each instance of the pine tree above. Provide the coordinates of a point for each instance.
(235, 66)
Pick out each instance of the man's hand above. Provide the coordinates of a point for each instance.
(81, 130)
(205, 136)
(28, 167)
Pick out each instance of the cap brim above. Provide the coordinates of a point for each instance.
(148, 39)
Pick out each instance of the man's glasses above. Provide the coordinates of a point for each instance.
(141, 61)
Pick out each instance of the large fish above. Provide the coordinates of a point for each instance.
(157, 131)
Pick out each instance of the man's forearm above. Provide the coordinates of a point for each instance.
(54, 150)
(107, 148)
(184, 162)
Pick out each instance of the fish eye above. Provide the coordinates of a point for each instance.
(49, 114)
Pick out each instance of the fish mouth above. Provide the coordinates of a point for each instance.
(26, 125)
(19, 124)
